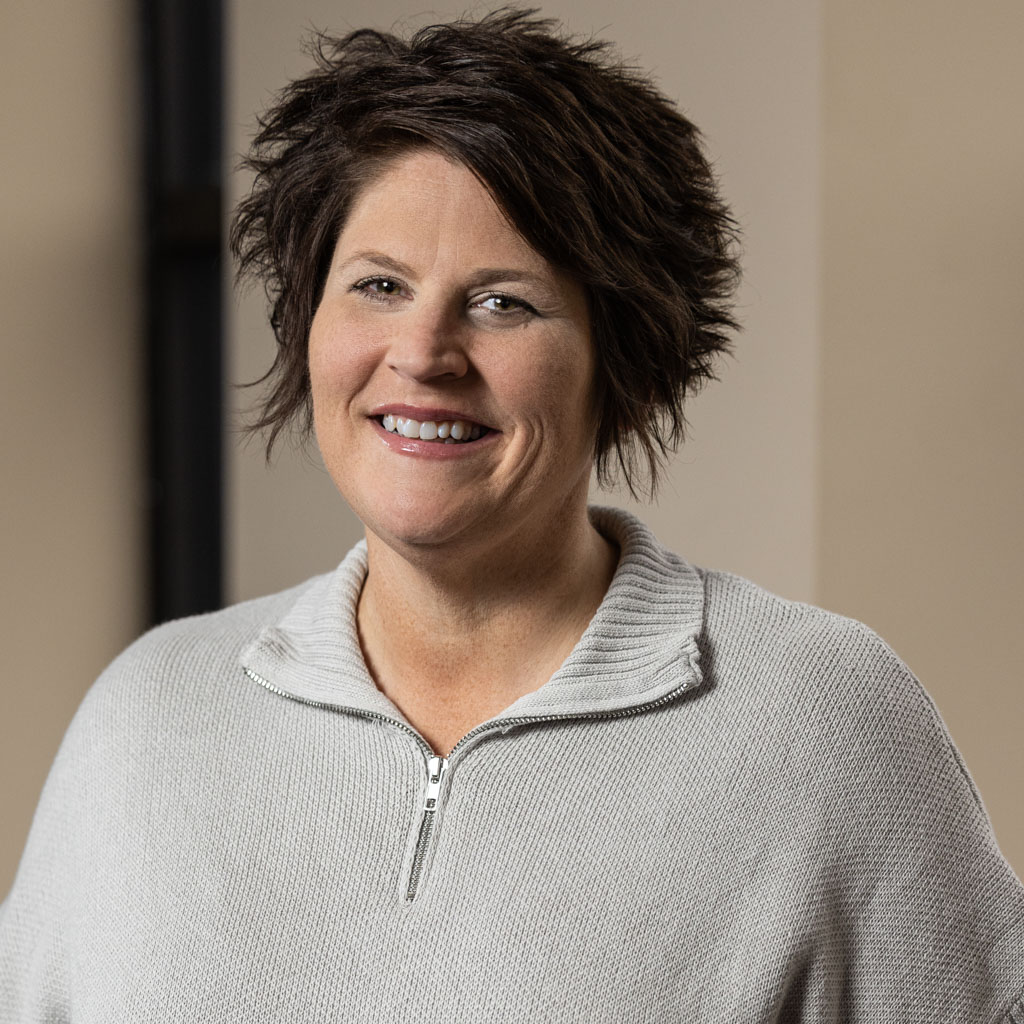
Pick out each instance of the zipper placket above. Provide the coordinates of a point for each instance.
(435, 772)
(437, 766)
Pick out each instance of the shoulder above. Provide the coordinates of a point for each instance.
(767, 660)
(837, 691)
(180, 679)
(751, 615)
(173, 709)
(197, 647)
(790, 643)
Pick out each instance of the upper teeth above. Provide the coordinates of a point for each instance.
(448, 431)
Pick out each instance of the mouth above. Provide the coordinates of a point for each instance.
(439, 431)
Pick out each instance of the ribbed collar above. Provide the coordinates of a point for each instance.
(640, 646)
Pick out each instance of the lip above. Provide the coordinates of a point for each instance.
(433, 413)
(430, 449)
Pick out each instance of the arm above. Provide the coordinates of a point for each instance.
(932, 916)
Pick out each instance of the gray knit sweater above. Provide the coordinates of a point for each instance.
(724, 807)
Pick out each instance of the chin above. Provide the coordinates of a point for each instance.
(417, 524)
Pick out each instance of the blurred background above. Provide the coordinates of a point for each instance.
(863, 450)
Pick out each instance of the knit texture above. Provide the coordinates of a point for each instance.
(724, 807)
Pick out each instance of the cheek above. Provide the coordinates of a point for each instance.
(340, 357)
(575, 397)
(552, 386)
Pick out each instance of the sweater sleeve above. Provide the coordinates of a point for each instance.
(47, 938)
(925, 917)
(34, 917)
(84, 900)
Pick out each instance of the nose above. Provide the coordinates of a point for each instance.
(428, 345)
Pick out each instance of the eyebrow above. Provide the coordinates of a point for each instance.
(489, 274)
(380, 258)
(485, 275)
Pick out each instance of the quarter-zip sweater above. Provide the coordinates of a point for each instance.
(724, 807)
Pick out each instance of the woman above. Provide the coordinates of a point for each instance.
(512, 760)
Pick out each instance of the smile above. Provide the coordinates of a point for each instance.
(439, 431)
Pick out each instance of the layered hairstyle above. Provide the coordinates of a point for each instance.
(596, 169)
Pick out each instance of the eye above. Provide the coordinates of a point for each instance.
(504, 305)
(378, 288)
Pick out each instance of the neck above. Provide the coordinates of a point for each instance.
(466, 632)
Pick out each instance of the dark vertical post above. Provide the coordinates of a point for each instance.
(182, 109)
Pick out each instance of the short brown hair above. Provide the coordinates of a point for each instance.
(598, 171)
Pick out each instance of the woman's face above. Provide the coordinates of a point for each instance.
(439, 321)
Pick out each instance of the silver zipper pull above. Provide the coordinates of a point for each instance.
(435, 771)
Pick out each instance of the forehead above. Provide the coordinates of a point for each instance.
(432, 208)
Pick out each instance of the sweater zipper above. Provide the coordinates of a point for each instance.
(437, 766)
(267, 685)
(636, 709)
(435, 772)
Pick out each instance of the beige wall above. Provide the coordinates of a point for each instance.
(922, 472)
(70, 426)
